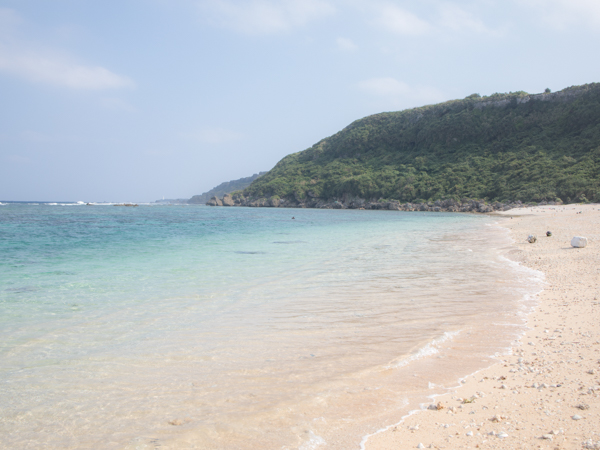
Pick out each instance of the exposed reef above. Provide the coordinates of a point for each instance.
(348, 202)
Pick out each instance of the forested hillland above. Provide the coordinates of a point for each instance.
(498, 148)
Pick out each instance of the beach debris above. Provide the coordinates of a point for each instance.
(531, 239)
(414, 427)
(469, 400)
(548, 233)
(582, 406)
(176, 422)
(576, 417)
(436, 407)
(548, 437)
(498, 418)
(579, 242)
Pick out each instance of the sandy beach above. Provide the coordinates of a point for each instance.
(545, 393)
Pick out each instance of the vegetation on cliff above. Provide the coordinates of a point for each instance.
(503, 147)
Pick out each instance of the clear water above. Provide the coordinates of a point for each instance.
(198, 327)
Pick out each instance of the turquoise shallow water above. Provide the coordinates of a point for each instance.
(232, 327)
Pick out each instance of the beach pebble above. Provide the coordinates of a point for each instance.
(176, 422)
(547, 436)
(576, 417)
(420, 445)
(531, 239)
(589, 444)
(582, 406)
(579, 242)
(436, 407)
(502, 435)
(469, 433)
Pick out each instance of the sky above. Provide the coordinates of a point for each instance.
(136, 100)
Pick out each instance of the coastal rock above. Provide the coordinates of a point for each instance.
(215, 201)
(578, 242)
(347, 201)
(227, 200)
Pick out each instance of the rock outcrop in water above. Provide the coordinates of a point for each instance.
(215, 201)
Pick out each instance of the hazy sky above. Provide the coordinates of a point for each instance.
(132, 100)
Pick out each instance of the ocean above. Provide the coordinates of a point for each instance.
(223, 328)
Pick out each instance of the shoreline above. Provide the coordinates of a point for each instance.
(544, 393)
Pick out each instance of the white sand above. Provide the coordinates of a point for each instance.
(546, 395)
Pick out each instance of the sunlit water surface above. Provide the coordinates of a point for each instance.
(198, 327)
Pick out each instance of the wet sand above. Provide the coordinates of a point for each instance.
(546, 393)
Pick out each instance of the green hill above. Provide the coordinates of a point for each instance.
(504, 147)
